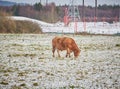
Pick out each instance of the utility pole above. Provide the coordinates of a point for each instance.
(119, 14)
(83, 16)
(95, 10)
(83, 11)
(46, 2)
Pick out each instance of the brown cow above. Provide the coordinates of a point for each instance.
(65, 43)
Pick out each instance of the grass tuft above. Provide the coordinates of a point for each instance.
(117, 45)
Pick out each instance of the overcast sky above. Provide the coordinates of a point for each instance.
(63, 2)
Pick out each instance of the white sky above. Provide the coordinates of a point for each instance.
(63, 2)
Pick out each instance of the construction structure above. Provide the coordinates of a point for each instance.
(72, 13)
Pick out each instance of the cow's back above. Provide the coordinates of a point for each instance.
(57, 42)
(69, 42)
(63, 43)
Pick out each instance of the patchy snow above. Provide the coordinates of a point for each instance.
(41, 23)
(90, 27)
(26, 62)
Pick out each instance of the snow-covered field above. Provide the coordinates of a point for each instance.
(26, 62)
(89, 27)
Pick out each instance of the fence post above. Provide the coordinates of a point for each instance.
(116, 21)
(103, 19)
(95, 19)
(76, 27)
(84, 24)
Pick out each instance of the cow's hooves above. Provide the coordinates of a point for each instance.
(66, 55)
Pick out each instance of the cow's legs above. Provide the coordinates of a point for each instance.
(58, 53)
(53, 50)
(68, 52)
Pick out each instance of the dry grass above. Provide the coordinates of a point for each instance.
(34, 67)
(8, 25)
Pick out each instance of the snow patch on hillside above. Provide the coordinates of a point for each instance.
(90, 27)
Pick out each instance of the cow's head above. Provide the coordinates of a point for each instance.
(76, 53)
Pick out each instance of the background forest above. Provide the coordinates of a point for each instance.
(52, 13)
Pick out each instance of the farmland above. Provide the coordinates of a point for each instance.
(26, 62)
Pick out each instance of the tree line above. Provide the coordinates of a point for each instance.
(52, 13)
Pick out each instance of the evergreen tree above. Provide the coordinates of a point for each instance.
(38, 6)
(15, 10)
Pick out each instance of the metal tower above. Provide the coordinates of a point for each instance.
(73, 11)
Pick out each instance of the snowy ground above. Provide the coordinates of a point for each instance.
(26, 62)
(89, 27)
